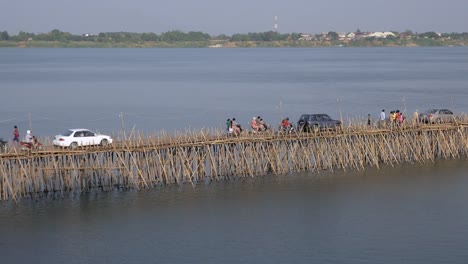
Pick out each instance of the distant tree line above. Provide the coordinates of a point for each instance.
(170, 36)
(4, 35)
(192, 36)
(57, 35)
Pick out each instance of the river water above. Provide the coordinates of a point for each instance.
(49, 90)
(406, 213)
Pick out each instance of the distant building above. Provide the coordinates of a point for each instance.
(381, 34)
(324, 36)
(308, 37)
(341, 35)
(351, 35)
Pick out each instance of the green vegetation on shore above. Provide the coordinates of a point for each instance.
(178, 39)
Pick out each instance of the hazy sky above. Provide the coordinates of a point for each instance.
(234, 16)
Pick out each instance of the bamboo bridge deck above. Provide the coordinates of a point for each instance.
(146, 162)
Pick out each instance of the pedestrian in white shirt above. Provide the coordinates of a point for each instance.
(382, 118)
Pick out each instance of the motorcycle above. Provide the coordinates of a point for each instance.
(264, 128)
(287, 130)
(33, 145)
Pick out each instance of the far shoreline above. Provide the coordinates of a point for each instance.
(226, 44)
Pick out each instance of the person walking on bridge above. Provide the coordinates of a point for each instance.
(382, 118)
(415, 118)
(16, 135)
(229, 125)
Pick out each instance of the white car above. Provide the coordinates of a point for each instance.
(81, 137)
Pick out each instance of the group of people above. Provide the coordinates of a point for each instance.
(258, 125)
(396, 118)
(30, 141)
(233, 127)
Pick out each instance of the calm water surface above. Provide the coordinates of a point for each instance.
(173, 89)
(408, 213)
(402, 214)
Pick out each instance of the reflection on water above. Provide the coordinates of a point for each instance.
(408, 213)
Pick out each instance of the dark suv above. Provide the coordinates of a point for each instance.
(317, 122)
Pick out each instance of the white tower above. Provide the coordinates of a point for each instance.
(276, 23)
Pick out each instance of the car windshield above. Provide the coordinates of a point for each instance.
(67, 133)
(321, 118)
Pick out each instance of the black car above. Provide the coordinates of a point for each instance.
(317, 122)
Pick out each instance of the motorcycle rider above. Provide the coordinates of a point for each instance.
(286, 126)
(237, 129)
(35, 143)
(254, 124)
(28, 138)
(30, 141)
(263, 125)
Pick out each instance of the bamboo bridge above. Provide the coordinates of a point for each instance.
(200, 157)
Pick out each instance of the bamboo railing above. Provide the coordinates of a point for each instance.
(143, 162)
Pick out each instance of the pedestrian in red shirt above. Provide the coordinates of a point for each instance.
(16, 135)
